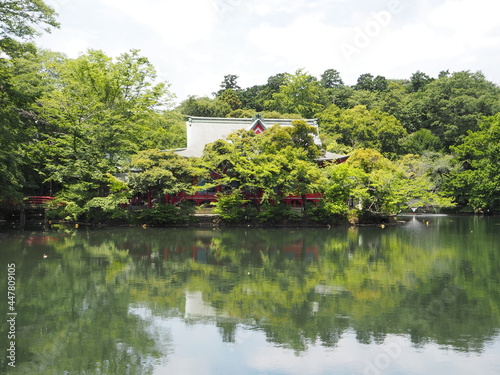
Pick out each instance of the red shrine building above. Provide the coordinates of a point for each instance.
(204, 130)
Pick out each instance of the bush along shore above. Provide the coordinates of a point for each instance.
(187, 215)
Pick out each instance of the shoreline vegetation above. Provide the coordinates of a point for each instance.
(156, 218)
(206, 222)
(92, 132)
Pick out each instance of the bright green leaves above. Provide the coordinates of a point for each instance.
(68, 123)
(278, 161)
(373, 183)
(232, 99)
(163, 172)
(300, 93)
(279, 166)
(96, 110)
(166, 130)
(478, 183)
(204, 107)
(453, 105)
(20, 85)
(359, 127)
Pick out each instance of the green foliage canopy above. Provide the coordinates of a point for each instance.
(453, 105)
(279, 161)
(477, 183)
(163, 172)
(91, 118)
(359, 127)
(300, 93)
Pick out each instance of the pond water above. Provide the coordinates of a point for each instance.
(418, 298)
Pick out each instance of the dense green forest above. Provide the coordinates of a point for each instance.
(69, 126)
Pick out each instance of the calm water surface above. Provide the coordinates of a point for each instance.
(420, 298)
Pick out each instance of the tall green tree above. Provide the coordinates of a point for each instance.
(477, 183)
(163, 172)
(272, 86)
(453, 105)
(359, 127)
(418, 81)
(94, 117)
(163, 130)
(232, 98)
(204, 107)
(251, 98)
(300, 93)
(230, 82)
(368, 82)
(23, 79)
(365, 82)
(20, 20)
(331, 79)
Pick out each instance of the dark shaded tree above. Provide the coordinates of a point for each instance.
(453, 105)
(330, 79)
(418, 81)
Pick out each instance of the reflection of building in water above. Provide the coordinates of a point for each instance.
(196, 307)
(200, 253)
(198, 248)
(232, 329)
(299, 250)
(203, 251)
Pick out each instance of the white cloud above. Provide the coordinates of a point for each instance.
(305, 43)
(476, 16)
(74, 43)
(176, 23)
(396, 355)
(264, 7)
(414, 43)
(473, 22)
(195, 43)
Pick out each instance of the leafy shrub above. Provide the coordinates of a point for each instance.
(279, 213)
(328, 212)
(166, 214)
(233, 208)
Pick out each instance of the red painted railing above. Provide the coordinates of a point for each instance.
(37, 200)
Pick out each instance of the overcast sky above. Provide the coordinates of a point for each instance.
(194, 43)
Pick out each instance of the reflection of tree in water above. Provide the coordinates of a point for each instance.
(298, 287)
(371, 280)
(227, 330)
(74, 313)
